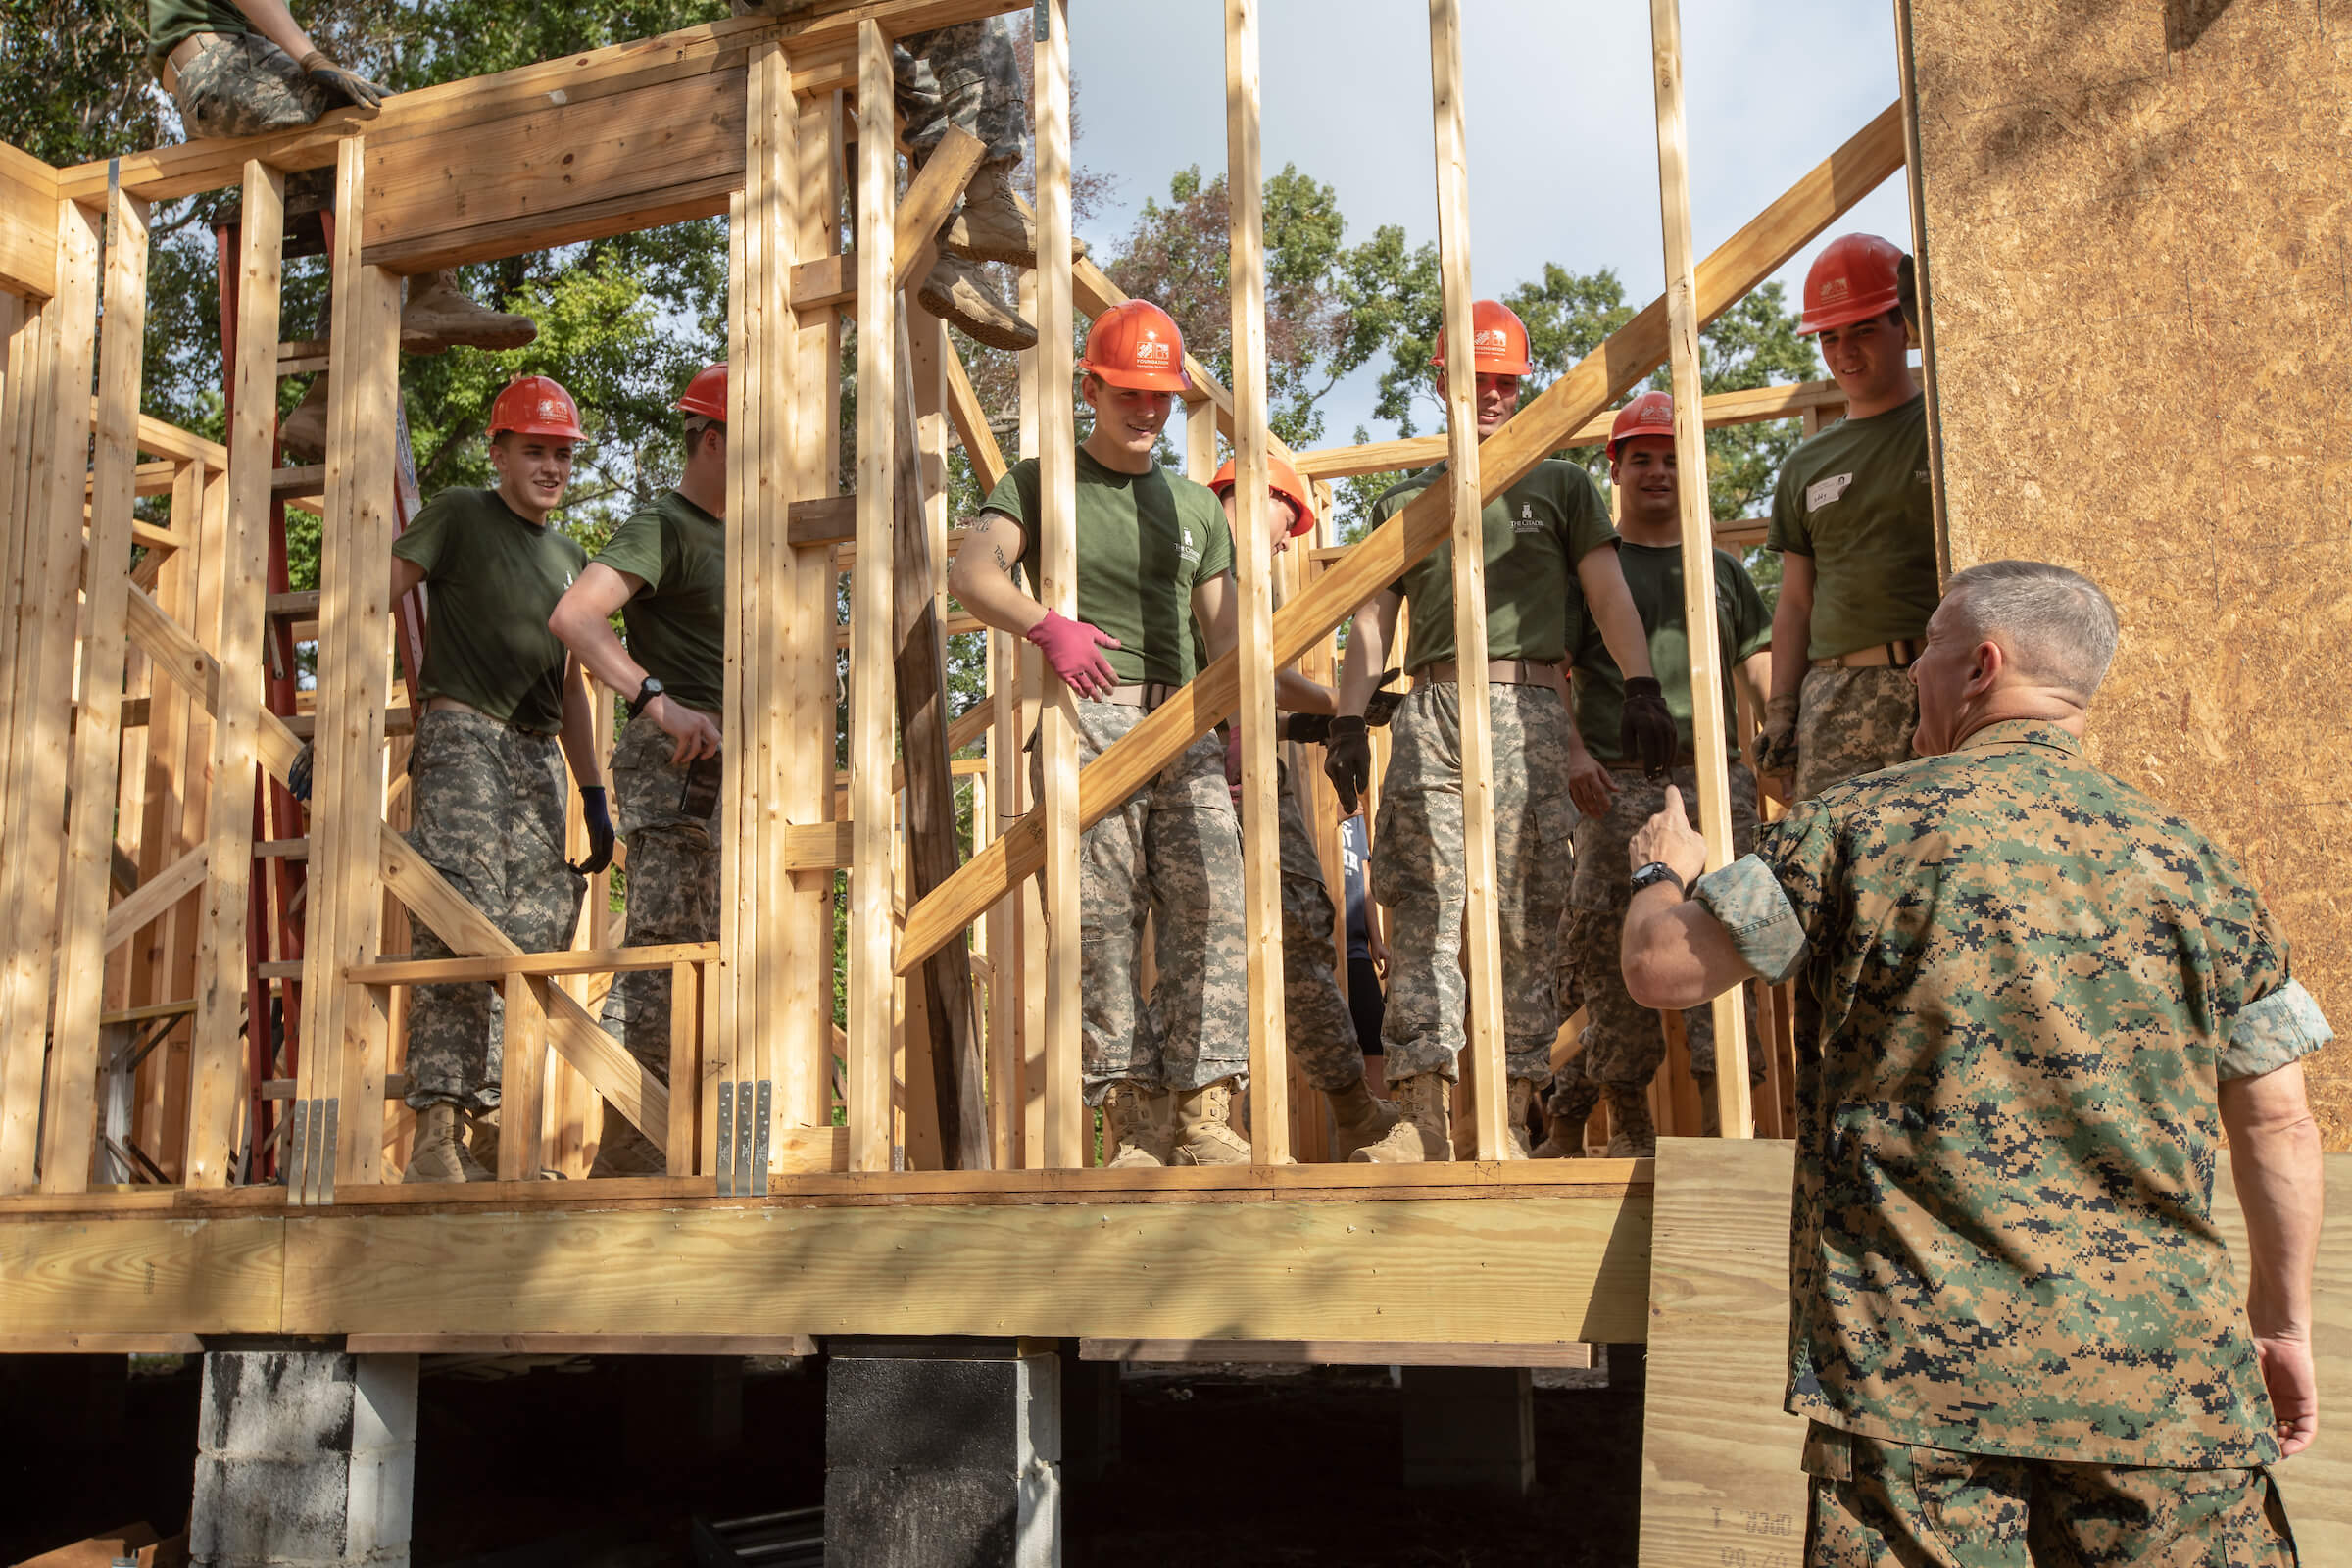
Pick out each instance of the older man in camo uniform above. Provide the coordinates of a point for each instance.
(2016, 1328)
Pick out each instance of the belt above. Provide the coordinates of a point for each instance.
(1900, 655)
(1146, 695)
(1506, 671)
(181, 53)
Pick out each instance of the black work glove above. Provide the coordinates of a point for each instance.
(1308, 729)
(1384, 703)
(298, 776)
(1648, 732)
(1347, 758)
(348, 84)
(599, 831)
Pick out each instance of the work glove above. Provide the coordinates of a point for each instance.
(1347, 758)
(1773, 751)
(361, 92)
(298, 776)
(1647, 731)
(1384, 703)
(1072, 646)
(599, 831)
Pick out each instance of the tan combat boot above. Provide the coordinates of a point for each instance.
(1514, 1127)
(1205, 1130)
(1634, 1135)
(303, 432)
(437, 317)
(959, 293)
(1422, 1132)
(1359, 1117)
(1564, 1128)
(1139, 1126)
(440, 1154)
(994, 225)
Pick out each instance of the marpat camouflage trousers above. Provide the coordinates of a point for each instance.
(1172, 851)
(489, 810)
(672, 896)
(963, 75)
(242, 84)
(1417, 872)
(1621, 1043)
(1875, 1501)
(1850, 722)
(1321, 1030)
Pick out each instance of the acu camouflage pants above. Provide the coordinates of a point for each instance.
(963, 75)
(489, 811)
(1875, 1502)
(1850, 722)
(672, 896)
(1621, 1044)
(241, 84)
(1172, 851)
(1321, 1029)
(1417, 872)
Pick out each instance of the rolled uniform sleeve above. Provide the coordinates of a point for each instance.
(2271, 1031)
(1773, 901)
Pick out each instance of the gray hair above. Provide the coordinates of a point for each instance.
(2059, 626)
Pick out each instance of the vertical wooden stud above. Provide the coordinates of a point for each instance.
(97, 738)
(1481, 928)
(871, 971)
(686, 1003)
(214, 1065)
(1029, 701)
(739, 829)
(1261, 843)
(1705, 647)
(42, 674)
(522, 1089)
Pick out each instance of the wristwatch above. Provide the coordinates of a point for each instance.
(645, 693)
(1657, 871)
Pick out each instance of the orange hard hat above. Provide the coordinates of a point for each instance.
(1136, 344)
(1283, 481)
(535, 405)
(1499, 339)
(1650, 414)
(1854, 278)
(706, 394)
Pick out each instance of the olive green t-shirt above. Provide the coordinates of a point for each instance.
(1536, 531)
(1145, 542)
(1855, 498)
(678, 620)
(170, 21)
(495, 579)
(1653, 575)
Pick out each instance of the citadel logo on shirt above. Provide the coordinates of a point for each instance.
(1526, 522)
(1822, 492)
(1185, 550)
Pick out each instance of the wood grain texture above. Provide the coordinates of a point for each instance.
(2119, 203)
(28, 224)
(1719, 1456)
(141, 1275)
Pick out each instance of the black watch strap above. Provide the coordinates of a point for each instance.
(1659, 871)
(647, 691)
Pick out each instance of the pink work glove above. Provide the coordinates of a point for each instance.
(1071, 647)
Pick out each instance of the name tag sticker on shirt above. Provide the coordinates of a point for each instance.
(1822, 492)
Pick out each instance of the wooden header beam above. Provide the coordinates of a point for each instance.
(28, 224)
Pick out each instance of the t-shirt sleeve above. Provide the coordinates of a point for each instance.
(636, 548)
(1015, 495)
(1751, 622)
(1774, 901)
(1584, 514)
(1788, 530)
(426, 540)
(2278, 1022)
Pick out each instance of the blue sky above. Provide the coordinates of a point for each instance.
(1562, 132)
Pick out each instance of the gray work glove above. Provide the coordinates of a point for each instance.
(348, 84)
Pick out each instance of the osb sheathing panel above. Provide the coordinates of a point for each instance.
(2135, 217)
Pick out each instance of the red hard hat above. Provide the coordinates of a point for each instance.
(1498, 338)
(1284, 481)
(1852, 279)
(535, 405)
(1136, 344)
(706, 394)
(1650, 414)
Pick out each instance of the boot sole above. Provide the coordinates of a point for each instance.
(975, 253)
(980, 333)
(430, 343)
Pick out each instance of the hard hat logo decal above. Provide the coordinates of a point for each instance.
(1491, 338)
(1834, 289)
(1151, 351)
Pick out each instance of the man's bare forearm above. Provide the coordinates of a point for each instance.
(2275, 1164)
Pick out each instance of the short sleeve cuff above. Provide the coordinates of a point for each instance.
(2269, 1033)
(1746, 898)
